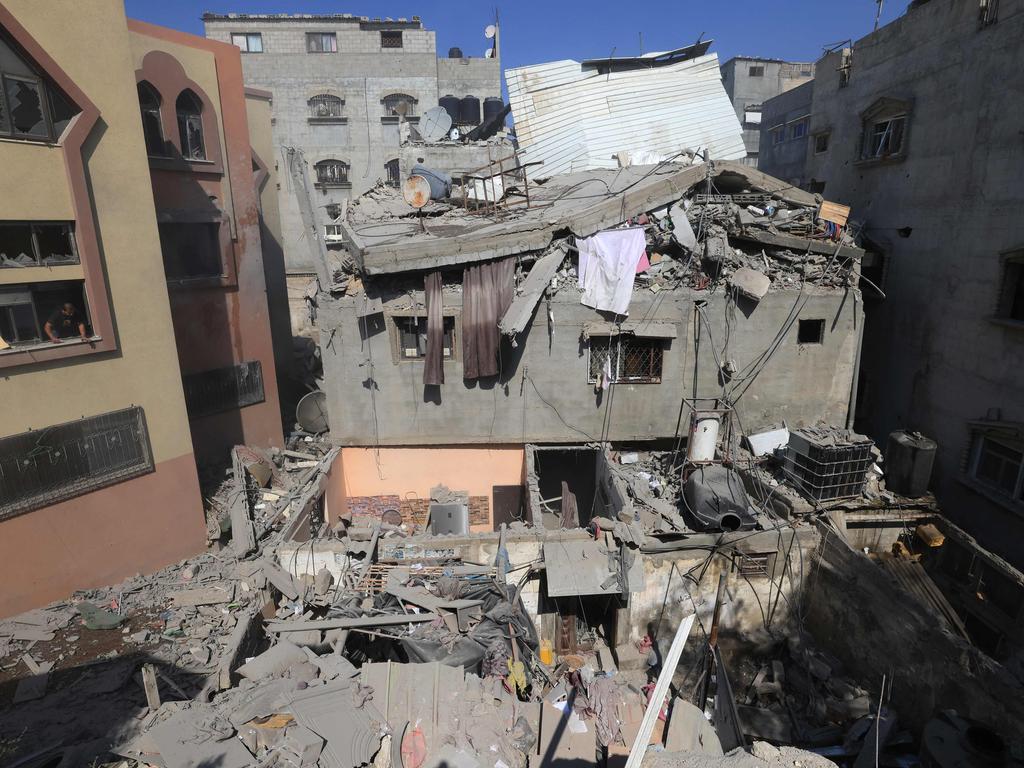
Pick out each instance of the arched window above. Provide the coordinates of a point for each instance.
(324, 105)
(399, 104)
(392, 173)
(331, 172)
(152, 127)
(190, 125)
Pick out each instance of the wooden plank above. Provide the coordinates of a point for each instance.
(930, 535)
(151, 687)
(834, 212)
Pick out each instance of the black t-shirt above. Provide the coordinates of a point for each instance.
(65, 325)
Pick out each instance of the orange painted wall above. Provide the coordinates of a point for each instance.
(414, 471)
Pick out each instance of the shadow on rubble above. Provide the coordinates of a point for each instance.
(84, 709)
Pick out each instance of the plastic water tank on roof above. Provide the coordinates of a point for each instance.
(455, 53)
(469, 110)
(451, 106)
(492, 107)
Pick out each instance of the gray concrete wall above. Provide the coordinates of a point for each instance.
(451, 157)
(744, 90)
(786, 160)
(934, 359)
(360, 72)
(544, 394)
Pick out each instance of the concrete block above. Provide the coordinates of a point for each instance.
(751, 283)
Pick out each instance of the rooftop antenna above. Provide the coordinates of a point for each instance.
(878, 13)
(641, 35)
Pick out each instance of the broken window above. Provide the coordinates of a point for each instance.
(411, 337)
(756, 71)
(331, 172)
(30, 244)
(25, 308)
(883, 138)
(248, 42)
(628, 359)
(190, 125)
(44, 466)
(191, 250)
(1011, 289)
(811, 332)
(392, 174)
(321, 42)
(798, 130)
(333, 233)
(324, 106)
(821, 143)
(999, 464)
(223, 389)
(399, 104)
(845, 67)
(30, 108)
(152, 125)
(391, 38)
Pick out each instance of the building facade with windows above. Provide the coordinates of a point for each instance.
(342, 86)
(785, 133)
(750, 81)
(917, 127)
(97, 475)
(205, 178)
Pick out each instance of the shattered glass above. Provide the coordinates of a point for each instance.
(24, 98)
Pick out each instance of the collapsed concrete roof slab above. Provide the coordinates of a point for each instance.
(520, 311)
(580, 203)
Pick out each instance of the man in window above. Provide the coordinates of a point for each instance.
(64, 323)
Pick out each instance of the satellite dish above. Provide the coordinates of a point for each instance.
(435, 124)
(311, 413)
(489, 53)
(489, 31)
(416, 191)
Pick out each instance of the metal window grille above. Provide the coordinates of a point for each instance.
(629, 359)
(393, 105)
(756, 563)
(45, 466)
(391, 39)
(394, 176)
(324, 105)
(331, 172)
(822, 472)
(223, 389)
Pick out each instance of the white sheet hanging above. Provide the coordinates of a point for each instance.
(607, 266)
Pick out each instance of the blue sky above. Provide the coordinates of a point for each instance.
(533, 31)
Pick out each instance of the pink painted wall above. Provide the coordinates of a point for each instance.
(412, 472)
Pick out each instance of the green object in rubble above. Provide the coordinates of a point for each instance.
(99, 618)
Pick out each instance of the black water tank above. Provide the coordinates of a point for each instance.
(451, 106)
(455, 53)
(469, 110)
(492, 107)
(908, 463)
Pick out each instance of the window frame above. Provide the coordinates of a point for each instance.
(803, 122)
(213, 233)
(187, 119)
(980, 438)
(827, 136)
(819, 325)
(34, 227)
(247, 35)
(452, 321)
(778, 134)
(657, 345)
(1010, 298)
(391, 32)
(393, 173)
(323, 99)
(332, 36)
(320, 182)
(40, 340)
(397, 97)
(755, 70)
(156, 112)
(44, 107)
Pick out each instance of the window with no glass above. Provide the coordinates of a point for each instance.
(331, 173)
(321, 42)
(884, 138)
(756, 70)
(626, 358)
(152, 122)
(25, 309)
(223, 389)
(410, 337)
(998, 464)
(32, 244)
(392, 173)
(43, 466)
(31, 108)
(821, 143)
(391, 39)
(1011, 288)
(190, 125)
(811, 332)
(191, 250)
(248, 42)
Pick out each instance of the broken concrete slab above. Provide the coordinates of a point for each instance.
(198, 739)
(751, 283)
(208, 596)
(281, 580)
(305, 744)
(272, 662)
(351, 726)
(518, 315)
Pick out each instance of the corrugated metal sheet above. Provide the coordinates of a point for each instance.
(574, 119)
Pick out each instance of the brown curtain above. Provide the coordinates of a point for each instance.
(487, 291)
(570, 512)
(433, 363)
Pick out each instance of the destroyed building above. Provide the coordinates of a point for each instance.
(945, 304)
(133, 337)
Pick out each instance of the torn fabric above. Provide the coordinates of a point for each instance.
(433, 361)
(487, 291)
(607, 267)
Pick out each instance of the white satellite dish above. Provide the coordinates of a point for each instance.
(435, 124)
(489, 53)
(489, 31)
(416, 191)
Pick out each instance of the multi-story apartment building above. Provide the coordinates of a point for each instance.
(134, 337)
(750, 81)
(915, 126)
(341, 85)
